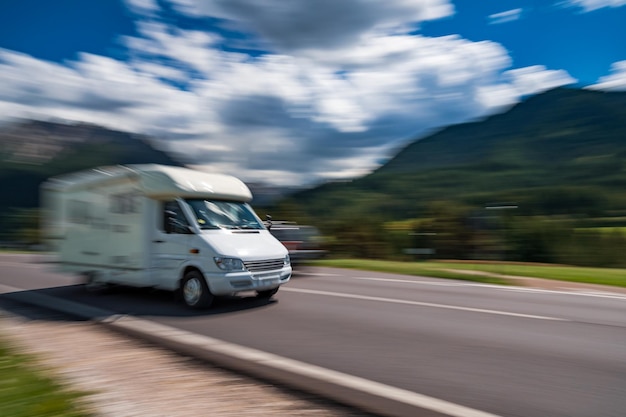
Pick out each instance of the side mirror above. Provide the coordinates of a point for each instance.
(173, 225)
(170, 219)
(268, 221)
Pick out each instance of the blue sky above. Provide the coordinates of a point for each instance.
(300, 91)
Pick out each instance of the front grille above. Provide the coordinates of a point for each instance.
(265, 265)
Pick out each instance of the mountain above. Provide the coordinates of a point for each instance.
(32, 151)
(559, 153)
(559, 126)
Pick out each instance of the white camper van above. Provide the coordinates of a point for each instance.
(163, 227)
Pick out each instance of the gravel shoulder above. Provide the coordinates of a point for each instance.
(128, 378)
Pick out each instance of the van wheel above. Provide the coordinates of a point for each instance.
(266, 293)
(93, 285)
(195, 291)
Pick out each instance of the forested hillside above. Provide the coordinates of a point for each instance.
(560, 152)
(559, 158)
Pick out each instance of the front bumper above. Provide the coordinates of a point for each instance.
(234, 282)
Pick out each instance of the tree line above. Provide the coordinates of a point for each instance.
(450, 230)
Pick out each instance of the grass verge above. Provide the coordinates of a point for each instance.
(487, 272)
(26, 391)
(410, 268)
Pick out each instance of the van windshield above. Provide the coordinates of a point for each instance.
(219, 214)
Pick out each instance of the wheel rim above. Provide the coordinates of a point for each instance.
(192, 291)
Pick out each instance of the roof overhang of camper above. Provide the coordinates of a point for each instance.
(159, 182)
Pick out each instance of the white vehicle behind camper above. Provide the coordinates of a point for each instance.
(162, 227)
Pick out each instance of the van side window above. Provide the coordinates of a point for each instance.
(123, 203)
(174, 220)
(78, 212)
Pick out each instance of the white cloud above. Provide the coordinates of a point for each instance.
(590, 5)
(616, 81)
(497, 97)
(308, 117)
(192, 49)
(504, 17)
(347, 84)
(537, 79)
(321, 25)
(94, 89)
(144, 7)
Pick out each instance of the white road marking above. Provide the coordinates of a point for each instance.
(598, 293)
(422, 304)
(410, 281)
(19, 264)
(571, 291)
(8, 288)
(316, 274)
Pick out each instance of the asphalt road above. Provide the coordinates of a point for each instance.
(506, 351)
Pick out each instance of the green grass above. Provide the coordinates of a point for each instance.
(486, 272)
(409, 268)
(26, 390)
(605, 230)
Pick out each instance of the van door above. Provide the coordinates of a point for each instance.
(170, 245)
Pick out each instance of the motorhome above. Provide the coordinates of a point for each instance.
(162, 227)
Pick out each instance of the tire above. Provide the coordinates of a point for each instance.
(195, 291)
(267, 293)
(95, 286)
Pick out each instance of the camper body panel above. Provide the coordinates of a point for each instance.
(104, 231)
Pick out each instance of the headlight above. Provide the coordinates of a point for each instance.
(286, 261)
(229, 264)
